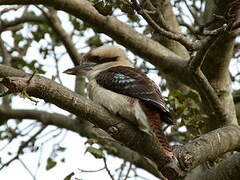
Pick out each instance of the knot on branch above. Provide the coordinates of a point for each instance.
(13, 84)
(172, 171)
(113, 130)
(184, 157)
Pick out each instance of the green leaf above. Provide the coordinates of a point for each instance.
(24, 94)
(61, 149)
(194, 95)
(68, 177)
(110, 149)
(94, 41)
(50, 164)
(91, 141)
(97, 153)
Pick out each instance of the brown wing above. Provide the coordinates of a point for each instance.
(134, 83)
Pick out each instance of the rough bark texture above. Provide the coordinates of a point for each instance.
(220, 172)
(215, 66)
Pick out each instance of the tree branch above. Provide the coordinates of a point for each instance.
(22, 146)
(202, 83)
(84, 128)
(55, 23)
(171, 35)
(5, 25)
(228, 169)
(216, 64)
(209, 146)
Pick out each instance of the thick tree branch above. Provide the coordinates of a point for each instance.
(228, 169)
(84, 128)
(209, 146)
(216, 64)
(202, 83)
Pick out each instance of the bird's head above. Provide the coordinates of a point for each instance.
(100, 59)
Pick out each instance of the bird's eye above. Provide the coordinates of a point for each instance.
(98, 59)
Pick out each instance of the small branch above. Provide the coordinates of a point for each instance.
(55, 23)
(227, 169)
(28, 170)
(121, 168)
(201, 81)
(194, 15)
(5, 10)
(91, 171)
(21, 147)
(128, 171)
(174, 36)
(28, 81)
(107, 169)
(7, 25)
(157, 11)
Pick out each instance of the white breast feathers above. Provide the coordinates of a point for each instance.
(127, 107)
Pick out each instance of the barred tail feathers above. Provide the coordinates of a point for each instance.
(155, 125)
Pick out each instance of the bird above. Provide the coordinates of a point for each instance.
(122, 89)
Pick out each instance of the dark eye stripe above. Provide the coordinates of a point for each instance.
(100, 60)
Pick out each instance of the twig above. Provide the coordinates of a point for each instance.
(123, 165)
(129, 169)
(34, 72)
(28, 170)
(22, 146)
(174, 36)
(39, 159)
(5, 10)
(16, 23)
(107, 169)
(161, 20)
(194, 15)
(56, 65)
(91, 171)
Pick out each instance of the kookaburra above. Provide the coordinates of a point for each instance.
(122, 89)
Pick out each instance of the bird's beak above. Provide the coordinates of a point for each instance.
(80, 69)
